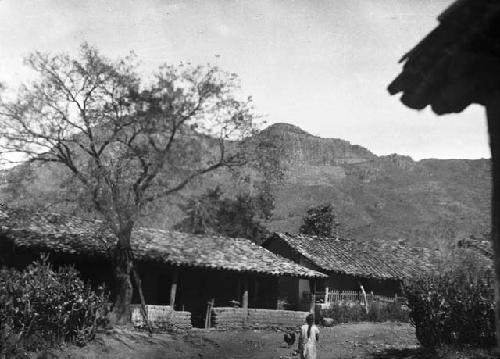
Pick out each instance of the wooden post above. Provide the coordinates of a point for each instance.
(173, 287)
(313, 296)
(493, 115)
(364, 297)
(208, 316)
(326, 295)
(244, 301)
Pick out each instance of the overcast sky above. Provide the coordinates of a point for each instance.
(321, 65)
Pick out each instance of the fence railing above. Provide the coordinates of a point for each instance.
(336, 296)
(341, 296)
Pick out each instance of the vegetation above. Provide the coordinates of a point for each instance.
(239, 212)
(127, 143)
(320, 221)
(41, 307)
(212, 213)
(456, 305)
(350, 312)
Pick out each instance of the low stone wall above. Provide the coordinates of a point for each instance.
(162, 317)
(228, 318)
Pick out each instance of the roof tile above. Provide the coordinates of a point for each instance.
(364, 259)
(65, 234)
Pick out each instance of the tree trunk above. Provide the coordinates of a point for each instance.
(122, 257)
(144, 313)
(493, 113)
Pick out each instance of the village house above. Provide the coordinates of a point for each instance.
(352, 267)
(179, 270)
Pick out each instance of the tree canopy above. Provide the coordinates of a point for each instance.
(320, 221)
(239, 217)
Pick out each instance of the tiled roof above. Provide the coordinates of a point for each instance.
(482, 246)
(363, 259)
(64, 234)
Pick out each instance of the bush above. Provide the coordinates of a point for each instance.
(40, 307)
(352, 312)
(454, 306)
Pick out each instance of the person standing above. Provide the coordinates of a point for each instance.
(309, 336)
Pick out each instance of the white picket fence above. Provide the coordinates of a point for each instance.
(336, 296)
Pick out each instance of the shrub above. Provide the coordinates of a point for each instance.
(352, 312)
(40, 307)
(454, 306)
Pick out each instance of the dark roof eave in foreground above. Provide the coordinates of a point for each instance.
(457, 64)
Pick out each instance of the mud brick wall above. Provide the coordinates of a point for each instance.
(229, 318)
(162, 317)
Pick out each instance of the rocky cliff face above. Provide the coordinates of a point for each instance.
(300, 146)
(428, 202)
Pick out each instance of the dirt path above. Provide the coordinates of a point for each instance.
(363, 340)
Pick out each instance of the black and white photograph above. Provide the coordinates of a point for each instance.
(238, 179)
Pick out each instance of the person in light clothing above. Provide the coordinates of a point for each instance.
(309, 336)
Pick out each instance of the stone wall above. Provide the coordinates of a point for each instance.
(162, 317)
(228, 318)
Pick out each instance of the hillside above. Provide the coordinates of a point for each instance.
(381, 197)
(375, 197)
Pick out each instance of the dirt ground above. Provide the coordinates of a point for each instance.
(363, 340)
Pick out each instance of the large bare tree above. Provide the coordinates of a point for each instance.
(127, 141)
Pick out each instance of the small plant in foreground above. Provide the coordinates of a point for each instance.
(41, 307)
(455, 306)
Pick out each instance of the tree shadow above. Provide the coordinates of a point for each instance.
(406, 353)
(444, 353)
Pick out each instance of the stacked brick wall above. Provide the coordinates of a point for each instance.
(162, 317)
(228, 318)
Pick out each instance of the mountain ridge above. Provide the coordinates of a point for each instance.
(428, 202)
